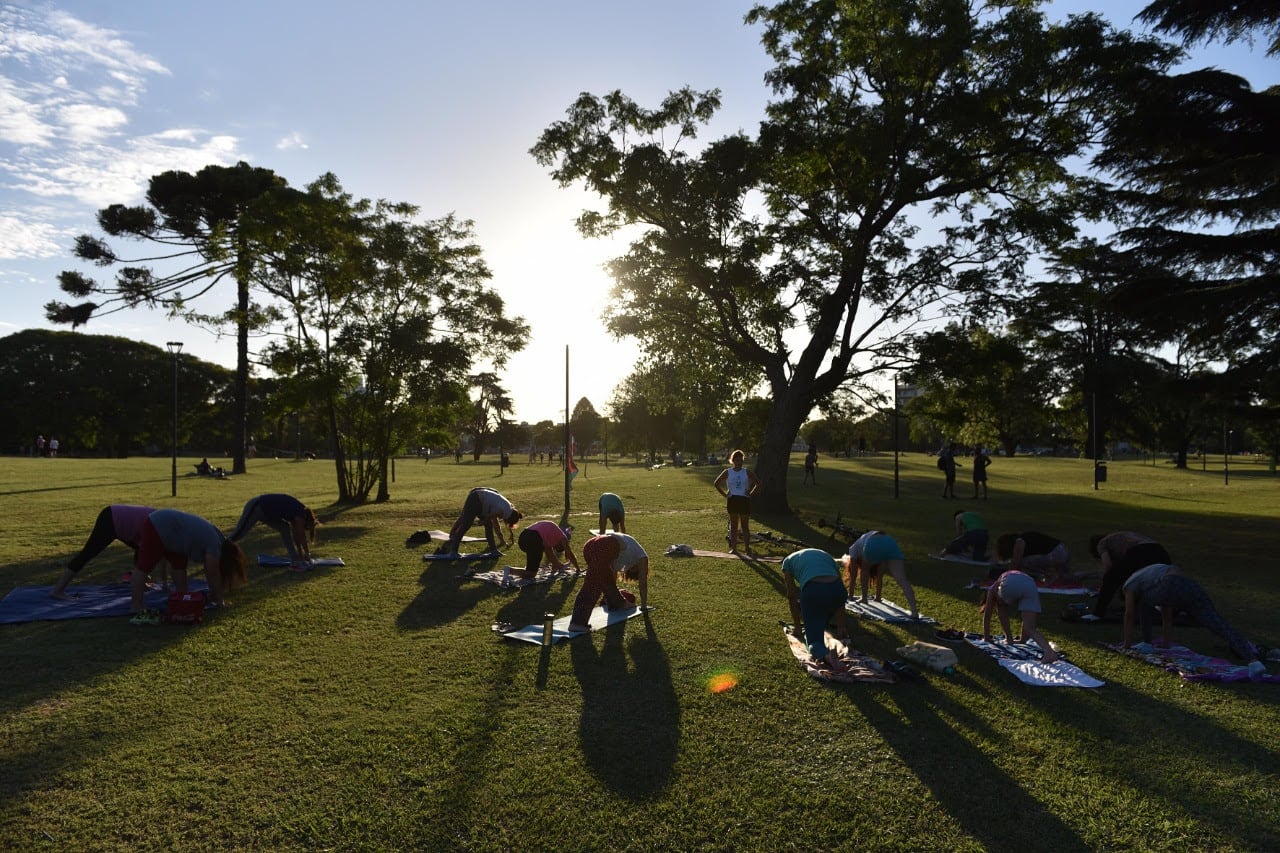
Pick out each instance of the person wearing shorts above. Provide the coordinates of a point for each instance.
(179, 537)
(737, 484)
(612, 510)
(815, 595)
(117, 521)
(492, 510)
(544, 538)
(284, 514)
(1015, 590)
(870, 556)
(600, 581)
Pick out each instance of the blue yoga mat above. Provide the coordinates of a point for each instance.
(33, 604)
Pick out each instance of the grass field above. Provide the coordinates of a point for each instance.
(370, 707)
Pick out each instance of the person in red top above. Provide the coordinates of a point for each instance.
(118, 521)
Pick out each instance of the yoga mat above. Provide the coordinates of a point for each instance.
(483, 555)
(443, 536)
(885, 611)
(965, 561)
(1192, 666)
(274, 561)
(1023, 660)
(860, 667)
(600, 618)
(1050, 588)
(33, 604)
(729, 555)
(499, 578)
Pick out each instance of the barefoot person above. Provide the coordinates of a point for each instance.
(179, 537)
(815, 594)
(1016, 590)
(118, 521)
(737, 484)
(600, 581)
(545, 538)
(873, 554)
(284, 514)
(1163, 586)
(493, 511)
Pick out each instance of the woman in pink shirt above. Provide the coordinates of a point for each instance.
(118, 521)
(544, 537)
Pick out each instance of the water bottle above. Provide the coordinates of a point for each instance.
(548, 620)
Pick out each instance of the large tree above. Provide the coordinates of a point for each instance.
(795, 252)
(207, 222)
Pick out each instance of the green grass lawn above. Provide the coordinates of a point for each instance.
(370, 707)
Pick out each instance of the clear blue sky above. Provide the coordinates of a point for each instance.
(434, 103)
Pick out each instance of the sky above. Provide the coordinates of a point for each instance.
(421, 101)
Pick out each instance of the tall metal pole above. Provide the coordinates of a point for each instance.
(1226, 454)
(564, 518)
(174, 348)
(895, 435)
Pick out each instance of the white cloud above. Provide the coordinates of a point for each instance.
(23, 238)
(84, 123)
(20, 119)
(292, 142)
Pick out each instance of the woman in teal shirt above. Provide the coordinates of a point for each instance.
(815, 593)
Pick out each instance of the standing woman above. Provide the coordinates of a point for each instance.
(492, 510)
(549, 538)
(285, 514)
(179, 537)
(118, 521)
(738, 484)
(1015, 590)
(981, 461)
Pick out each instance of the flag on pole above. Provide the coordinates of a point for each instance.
(570, 465)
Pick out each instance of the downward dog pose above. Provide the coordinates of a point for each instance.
(632, 563)
(738, 484)
(870, 556)
(1164, 586)
(1036, 553)
(177, 537)
(1122, 553)
(285, 514)
(971, 535)
(118, 521)
(493, 511)
(545, 537)
(1015, 590)
(815, 594)
(612, 510)
(600, 553)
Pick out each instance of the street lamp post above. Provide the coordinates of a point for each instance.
(175, 347)
(1226, 455)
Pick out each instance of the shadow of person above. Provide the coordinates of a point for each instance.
(630, 722)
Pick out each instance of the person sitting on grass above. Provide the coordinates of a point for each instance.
(870, 556)
(971, 536)
(612, 510)
(1122, 553)
(549, 539)
(118, 521)
(1014, 590)
(815, 594)
(1163, 586)
(177, 537)
(600, 581)
(284, 514)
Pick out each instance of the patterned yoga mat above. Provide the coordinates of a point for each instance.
(1192, 666)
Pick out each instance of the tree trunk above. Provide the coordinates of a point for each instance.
(242, 373)
(780, 433)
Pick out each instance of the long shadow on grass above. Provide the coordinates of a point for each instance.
(980, 796)
(447, 593)
(630, 723)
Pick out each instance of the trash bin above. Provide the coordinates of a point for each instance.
(506, 460)
(1100, 472)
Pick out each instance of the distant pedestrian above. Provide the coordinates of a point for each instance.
(947, 464)
(811, 464)
(981, 461)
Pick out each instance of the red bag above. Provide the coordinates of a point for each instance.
(185, 608)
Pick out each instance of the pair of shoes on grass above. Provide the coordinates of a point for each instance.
(146, 617)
